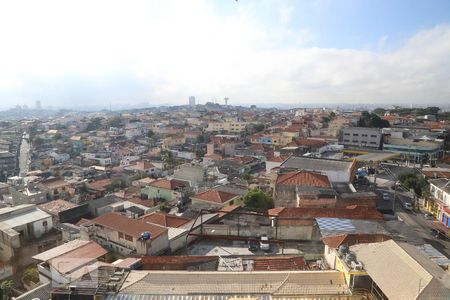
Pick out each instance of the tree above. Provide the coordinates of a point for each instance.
(38, 141)
(31, 274)
(114, 121)
(372, 120)
(94, 124)
(256, 198)
(414, 182)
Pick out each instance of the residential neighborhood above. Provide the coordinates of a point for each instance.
(198, 199)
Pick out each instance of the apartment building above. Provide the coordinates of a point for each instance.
(360, 137)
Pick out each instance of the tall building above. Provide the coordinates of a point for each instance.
(192, 100)
(38, 104)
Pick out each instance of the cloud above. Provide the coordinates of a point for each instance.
(163, 51)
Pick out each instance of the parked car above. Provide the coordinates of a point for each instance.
(386, 196)
(253, 245)
(428, 216)
(438, 234)
(408, 206)
(264, 243)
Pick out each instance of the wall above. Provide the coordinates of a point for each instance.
(282, 232)
(39, 229)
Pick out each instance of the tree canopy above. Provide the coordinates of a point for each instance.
(256, 198)
(372, 120)
(415, 182)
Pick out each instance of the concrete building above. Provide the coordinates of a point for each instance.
(191, 100)
(20, 224)
(336, 170)
(126, 236)
(361, 137)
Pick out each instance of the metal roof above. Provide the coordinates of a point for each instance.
(337, 226)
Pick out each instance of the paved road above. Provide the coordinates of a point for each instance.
(415, 228)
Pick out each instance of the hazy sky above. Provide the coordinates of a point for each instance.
(83, 53)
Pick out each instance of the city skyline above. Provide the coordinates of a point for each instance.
(76, 55)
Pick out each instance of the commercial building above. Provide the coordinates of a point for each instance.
(362, 137)
(439, 203)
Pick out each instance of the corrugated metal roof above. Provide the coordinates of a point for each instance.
(25, 218)
(337, 226)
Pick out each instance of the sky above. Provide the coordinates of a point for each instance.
(82, 54)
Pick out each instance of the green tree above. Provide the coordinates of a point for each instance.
(372, 120)
(114, 121)
(38, 141)
(31, 274)
(256, 198)
(414, 182)
(6, 289)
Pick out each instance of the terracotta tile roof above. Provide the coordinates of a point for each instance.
(82, 221)
(54, 183)
(277, 158)
(76, 258)
(146, 202)
(168, 184)
(351, 212)
(436, 174)
(216, 196)
(311, 142)
(100, 185)
(56, 206)
(128, 226)
(243, 159)
(303, 178)
(350, 239)
(165, 220)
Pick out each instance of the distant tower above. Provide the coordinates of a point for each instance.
(191, 101)
(226, 100)
(38, 104)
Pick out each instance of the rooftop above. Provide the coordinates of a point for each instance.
(165, 283)
(303, 178)
(216, 196)
(316, 164)
(128, 226)
(165, 220)
(56, 206)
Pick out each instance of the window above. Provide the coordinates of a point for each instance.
(373, 135)
(355, 134)
(354, 141)
(44, 223)
(373, 143)
(365, 135)
(346, 141)
(128, 237)
(120, 235)
(347, 134)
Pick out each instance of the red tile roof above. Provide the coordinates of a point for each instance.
(133, 227)
(303, 178)
(350, 239)
(165, 220)
(216, 196)
(168, 184)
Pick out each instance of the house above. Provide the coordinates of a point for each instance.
(19, 225)
(65, 212)
(177, 228)
(126, 236)
(166, 189)
(215, 198)
(55, 187)
(143, 167)
(63, 264)
(287, 184)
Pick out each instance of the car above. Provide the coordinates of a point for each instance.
(386, 196)
(428, 216)
(264, 243)
(408, 206)
(253, 245)
(438, 234)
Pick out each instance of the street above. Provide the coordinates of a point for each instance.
(415, 228)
